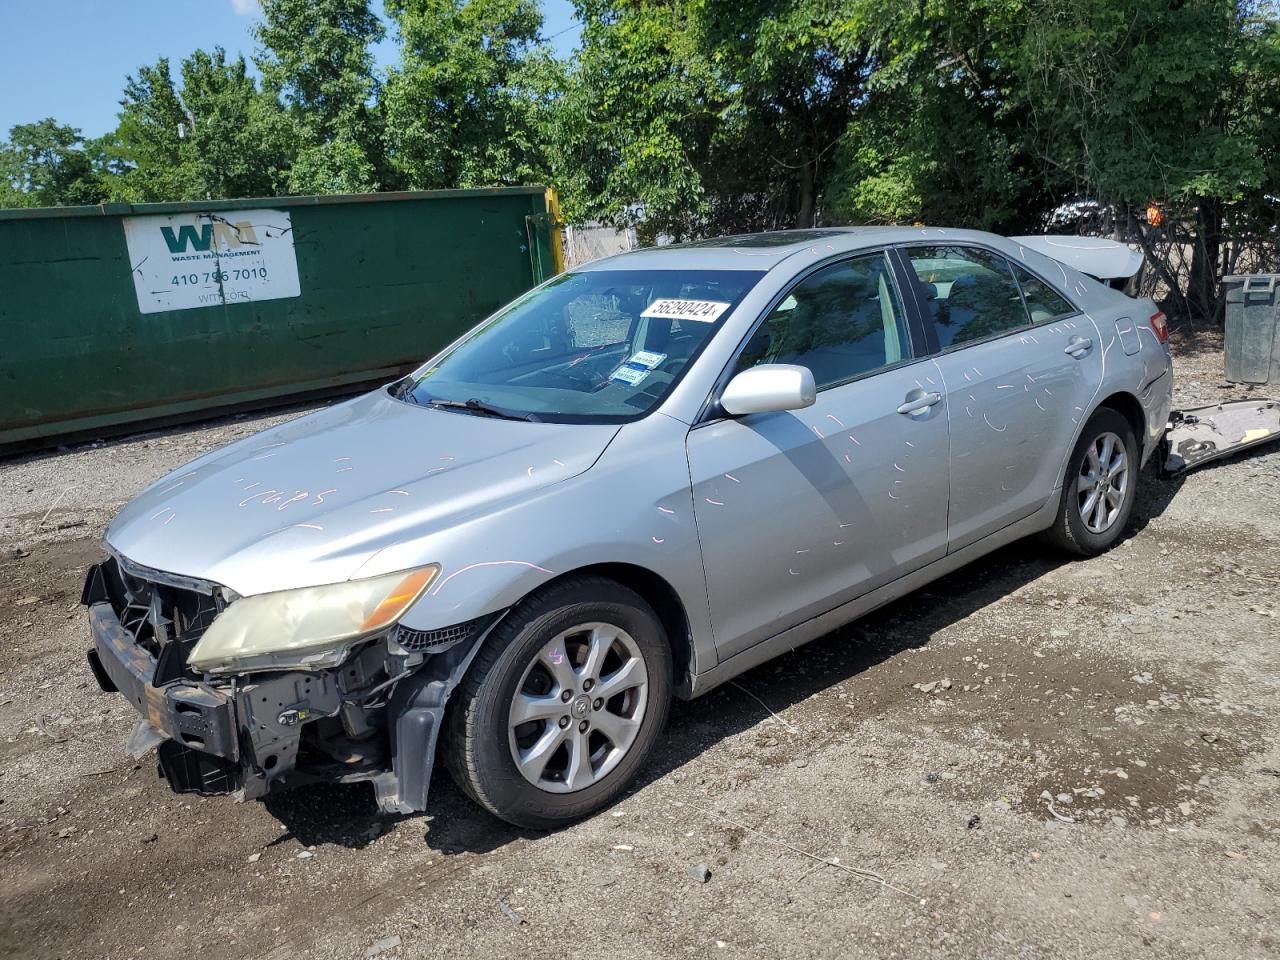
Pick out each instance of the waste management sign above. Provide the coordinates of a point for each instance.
(188, 260)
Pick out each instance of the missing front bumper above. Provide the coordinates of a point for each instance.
(376, 717)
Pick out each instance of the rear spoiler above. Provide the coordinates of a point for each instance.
(1096, 257)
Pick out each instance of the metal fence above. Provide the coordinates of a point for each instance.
(591, 241)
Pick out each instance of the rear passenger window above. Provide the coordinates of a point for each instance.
(1043, 302)
(841, 321)
(969, 293)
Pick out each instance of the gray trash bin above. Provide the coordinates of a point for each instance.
(1251, 339)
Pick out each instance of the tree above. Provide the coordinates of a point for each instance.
(317, 61)
(1133, 102)
(45, 164)
(940, 137)
(635, 127)
(469, 104)
(710, 116)
(213, 139)
(797, 70)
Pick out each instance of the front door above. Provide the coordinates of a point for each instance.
(1020, 368)
(800, 511)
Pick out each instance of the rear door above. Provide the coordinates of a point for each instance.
(800, 511)
(1020, 366)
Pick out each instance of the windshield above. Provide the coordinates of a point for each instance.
(601, 346)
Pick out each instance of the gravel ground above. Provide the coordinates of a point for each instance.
(1095, 771)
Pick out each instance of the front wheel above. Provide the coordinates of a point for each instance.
(563, 704)
(1099, 487)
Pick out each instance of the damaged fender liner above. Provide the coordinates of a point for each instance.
(375, 717)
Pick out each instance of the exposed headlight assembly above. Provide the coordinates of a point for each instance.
(307, 628)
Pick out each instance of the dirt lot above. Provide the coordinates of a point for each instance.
(1098, 774)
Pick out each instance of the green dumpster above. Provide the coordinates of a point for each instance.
(118, 314)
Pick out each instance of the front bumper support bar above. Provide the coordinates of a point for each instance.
(190, 714)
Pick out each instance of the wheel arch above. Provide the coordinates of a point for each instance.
(659, 594)
(1129, 407)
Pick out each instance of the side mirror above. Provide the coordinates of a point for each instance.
(767, 388)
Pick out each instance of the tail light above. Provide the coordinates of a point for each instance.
(1160, 324)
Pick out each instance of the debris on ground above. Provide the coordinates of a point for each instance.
(699, 872)
(380, 947)
(511, 914)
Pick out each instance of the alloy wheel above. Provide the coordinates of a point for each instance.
(578, 707)
(1103, 482)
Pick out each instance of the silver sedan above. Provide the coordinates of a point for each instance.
(633, 483)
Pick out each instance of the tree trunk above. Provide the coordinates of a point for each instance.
(1176, 302)
(804, 217)
(1202, 284)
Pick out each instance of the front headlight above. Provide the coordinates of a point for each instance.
(306, 628)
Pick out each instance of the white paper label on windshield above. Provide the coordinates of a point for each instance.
(704, 311)
(629, 375)
(647, 359)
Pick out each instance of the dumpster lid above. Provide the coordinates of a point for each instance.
(1098, 257)
(1201, 434)
(1254, 282)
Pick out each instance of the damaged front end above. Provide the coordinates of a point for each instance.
(373, 713)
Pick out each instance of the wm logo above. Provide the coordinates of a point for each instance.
(223, 233)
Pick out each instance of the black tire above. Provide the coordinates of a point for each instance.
(1069, 531)
(477, 749)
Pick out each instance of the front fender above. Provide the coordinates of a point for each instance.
(634, 506)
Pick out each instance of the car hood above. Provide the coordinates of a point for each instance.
(312, 500)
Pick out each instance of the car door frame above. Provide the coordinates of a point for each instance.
(710, 411)
(923, 347)
(923, 316)
(920, 310)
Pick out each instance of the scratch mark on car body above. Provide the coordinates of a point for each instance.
(488, 563)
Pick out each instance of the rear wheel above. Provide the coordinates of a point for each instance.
(562, 705)
(1099, 487)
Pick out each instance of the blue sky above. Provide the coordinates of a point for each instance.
(68, 59)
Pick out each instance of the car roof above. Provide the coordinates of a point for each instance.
(763, 251)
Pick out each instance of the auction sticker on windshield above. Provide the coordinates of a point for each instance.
(186, 260)
(706, 311)
(647, 359)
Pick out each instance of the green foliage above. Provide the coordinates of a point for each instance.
(706, 116)
(697, 117)
(469, 104)
(1137, 100)
(211, 139)
(635, 129)
(45, 164)
(316, 60)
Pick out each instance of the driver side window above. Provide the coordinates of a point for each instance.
(841, 322)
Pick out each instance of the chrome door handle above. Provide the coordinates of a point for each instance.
(1078, 347)
(919, 403)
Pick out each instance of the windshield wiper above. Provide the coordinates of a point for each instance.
(484, 409)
